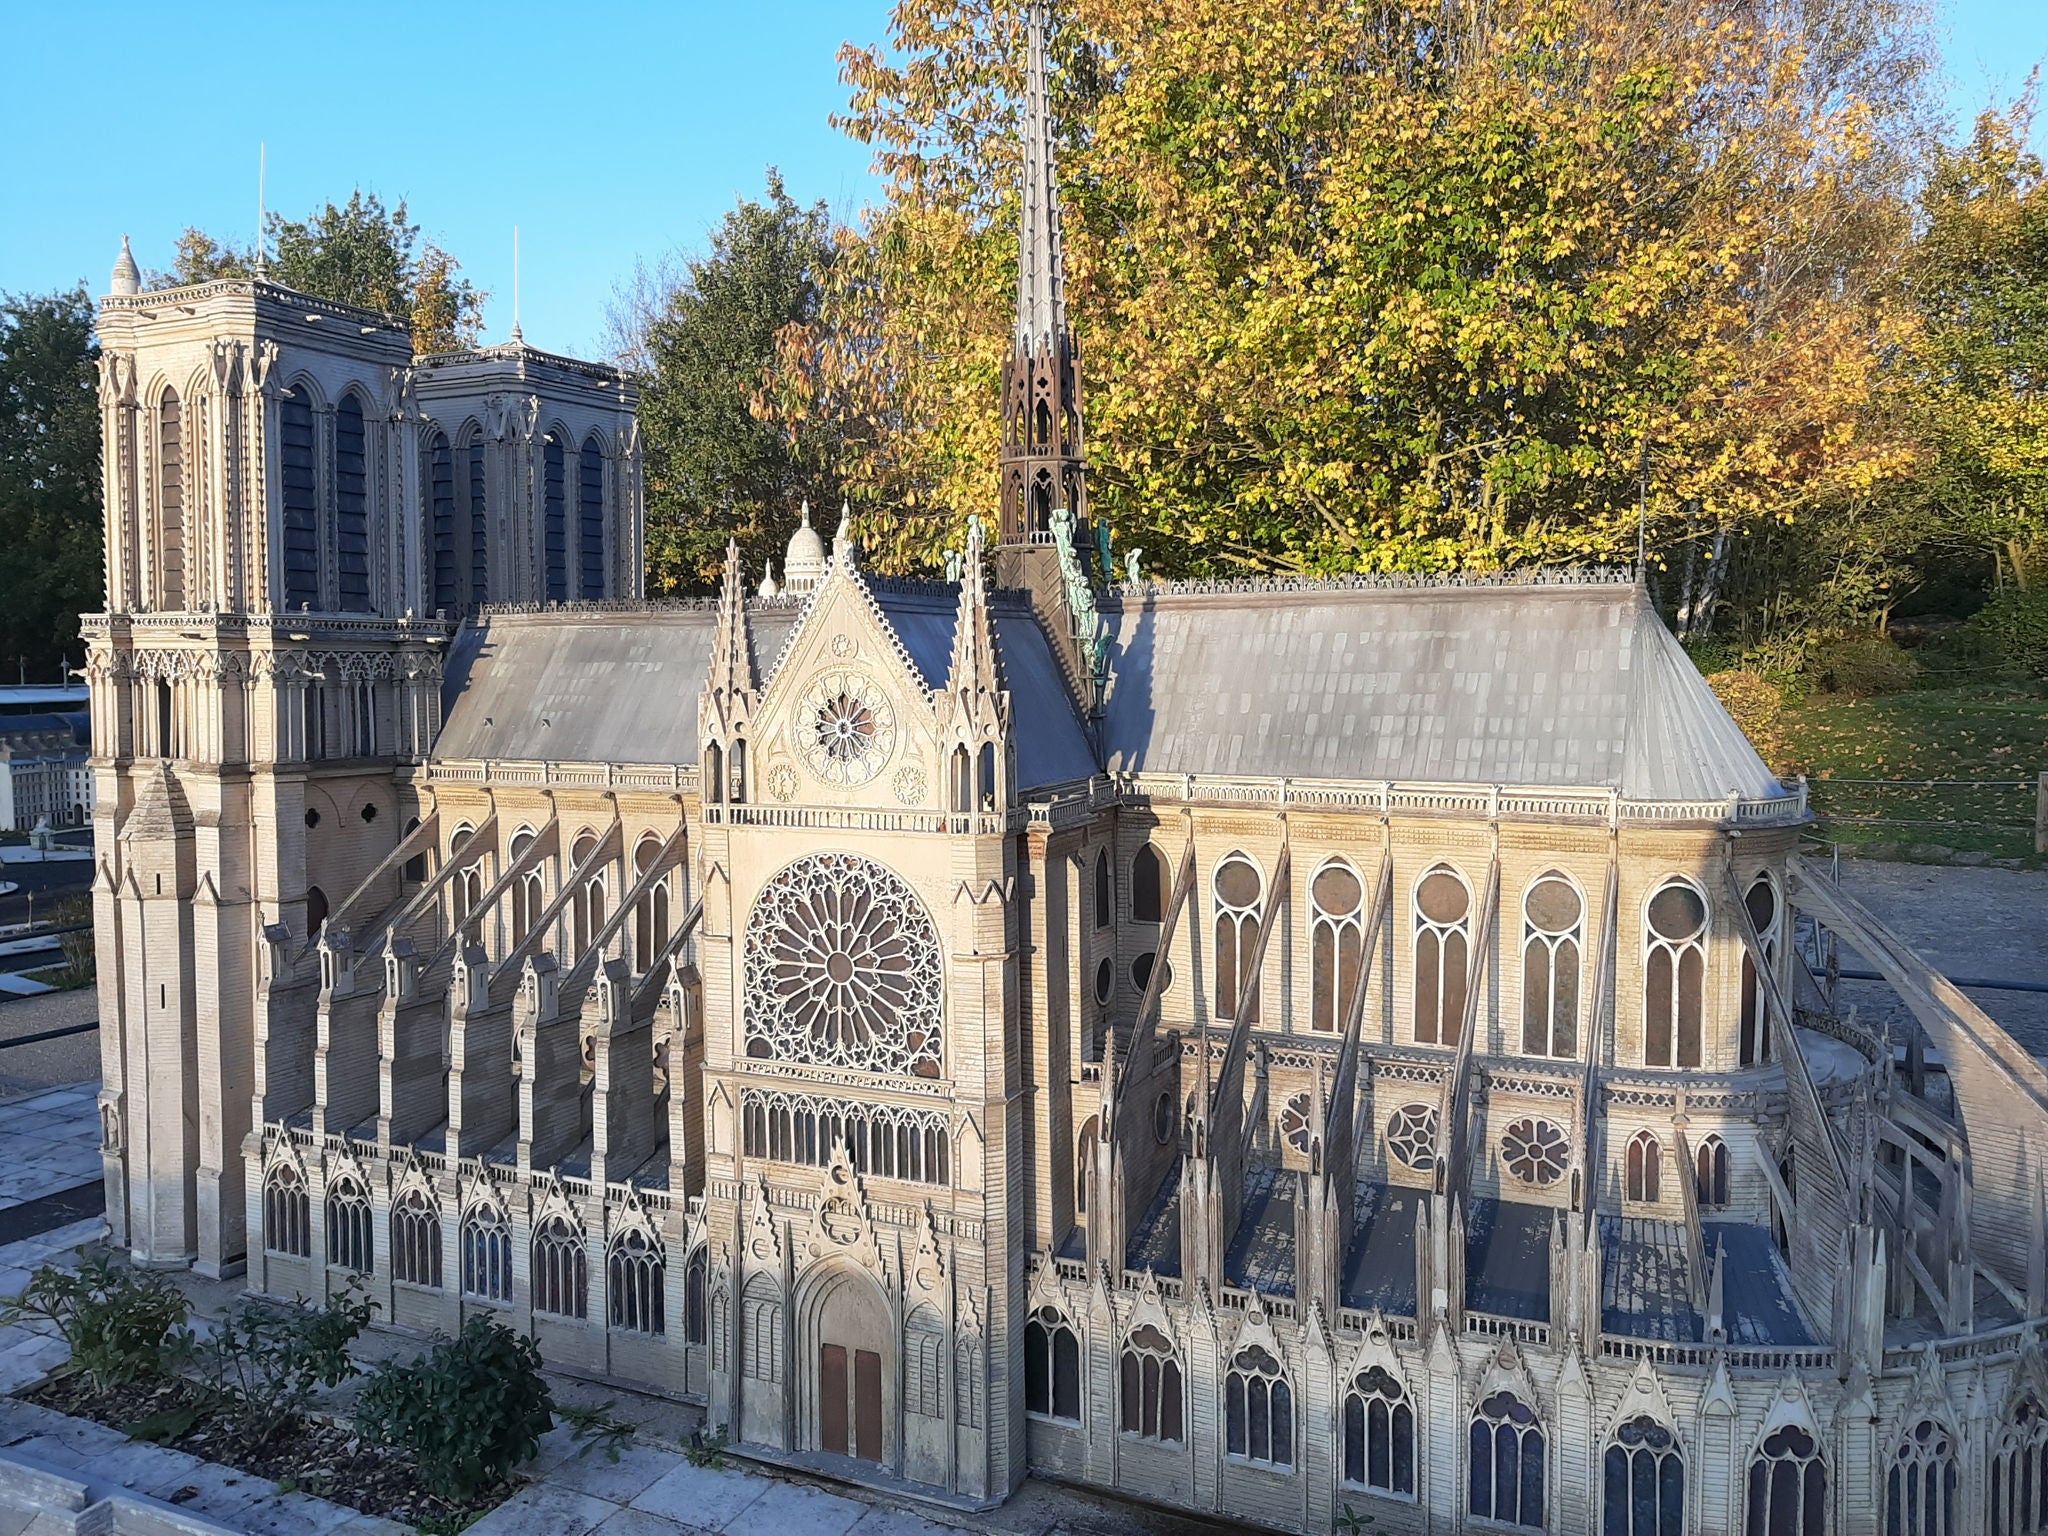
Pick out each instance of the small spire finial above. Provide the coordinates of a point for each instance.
(127, 276)
(516, 336)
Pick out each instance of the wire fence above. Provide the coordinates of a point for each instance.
(1998, 815)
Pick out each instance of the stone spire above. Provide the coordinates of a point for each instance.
(127, 277)
(972, 682)
(732, 658)
(1042, 454)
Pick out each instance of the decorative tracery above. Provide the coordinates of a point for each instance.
(1535, 1151)
(1411, 1136)
(843, 970)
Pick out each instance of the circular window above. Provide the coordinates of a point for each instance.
(844, 728)
(1535, 1151)
(1411, 1136)
(1294, 1123)
(843, 969)
(1337, 891)
(1162, 1117)
(1105, 978)
(1677, 913)
(1553, 906)
(1141, 974)
(369, 813)
(1442, 897)
(1237, 884)
(312, 818)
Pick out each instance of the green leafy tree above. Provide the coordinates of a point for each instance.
(50, 511)
(722, 461)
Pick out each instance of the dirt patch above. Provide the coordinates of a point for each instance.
(315, 1456)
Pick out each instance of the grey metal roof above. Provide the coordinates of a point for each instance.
(1551, 684)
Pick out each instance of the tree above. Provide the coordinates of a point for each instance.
(50, 511)
(722, 462)
(1370, 287)
(358, 253)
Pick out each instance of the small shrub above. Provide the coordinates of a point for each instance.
(123, 1325)
(468, 1412)
(2015, 623)
(706, 1451)
(1861, 666)
(1757, 705)
(264, 1362)
(594, 1429)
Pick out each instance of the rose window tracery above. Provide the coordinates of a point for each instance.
(842, 970)
(844, 728)
(1535, 1151)
(1411, 1136)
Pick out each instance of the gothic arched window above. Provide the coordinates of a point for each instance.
(696, 1288)
(589, 901)
(448, 552)
(1238, 887)
(1788, 1485)
(561, 1269)
(1259, 1409)
(590, 518)
(1711, 1171)
(1148, 886)
(1379, 1434)
(1553, 936)
(170, 503)
(351, 508)
(416, 1239)
(1645, 1168)
(650, 913)
(527, 904)
(1105, 905)
(348, 1225)
(1921, 1486)
(486, 1242)
(1645, 1487)
(1085, 1151)
(479, 523)
(1762, 902)
(316, 911)
(1336, 902)
(554, 519)
(1507, 1462)
(636, 1283)
(300, 500)
(2018, 1484)
(1674, 976)
(287, 1217)
(1443, 910)
(1150, 1399)
(1052, 1366)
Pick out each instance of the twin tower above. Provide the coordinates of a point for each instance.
(298, 513)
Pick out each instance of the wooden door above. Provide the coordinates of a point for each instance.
(832, 1397)
(867, 1405)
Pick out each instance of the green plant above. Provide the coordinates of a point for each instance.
(1756, 703)
(2015, 622)
(1860, 666)
(468, 1411)
(594, 1429)
(1351, 1521)
(122, 1324)
(706, 1451)
(264, 1362)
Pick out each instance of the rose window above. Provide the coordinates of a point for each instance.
(842, 970)
(1295, 1123)
(1535, 1151)
(1411, 1135)
(844, 728)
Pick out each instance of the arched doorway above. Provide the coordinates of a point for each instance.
(848, 1348)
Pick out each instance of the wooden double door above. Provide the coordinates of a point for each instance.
(850, 1402)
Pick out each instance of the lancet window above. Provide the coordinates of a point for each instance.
(300, 501)
(1711, 1171)
(448, 550)
(287, 1217)
(1645, 1168)
(170, 503)
(1379, 1434)
(1259, 1409)
(1762, 902)
(636, 1283)
(1644, 1493)
(486, 1242)
(348, 1225)
(882, 1140)
(1105, 898)
(1150, 1400)
(416, 1239)
(1921, 1485)
(1553, 938)
(1443, 911)
(590, 518)
(696, 1296)
(1788, 1485)
(1674, 976)
(1336, 902)
(1148, 886)
(650, 913)
(554, 519)
(1507, 1462)
(527, 902)
(589, 901)
(351, 508)
(1238, 887)
(479, 523)
(561, 1269)
(2018, 1484)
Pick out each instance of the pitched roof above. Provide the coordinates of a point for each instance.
(1557, 683)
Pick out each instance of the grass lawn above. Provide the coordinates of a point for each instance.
(1978, 731)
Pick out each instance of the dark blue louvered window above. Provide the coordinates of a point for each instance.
(301, 501)
(351, 509)
(554, 520)
(441, 512)
(590, 518)
(479, 529)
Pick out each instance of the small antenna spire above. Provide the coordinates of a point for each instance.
(515, 284)
(262, 206)
(1643, 512)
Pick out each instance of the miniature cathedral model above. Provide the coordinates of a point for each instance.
(1267, 1049)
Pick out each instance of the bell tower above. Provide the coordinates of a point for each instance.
(1043, 460)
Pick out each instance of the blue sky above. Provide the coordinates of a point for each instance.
(607, 134)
